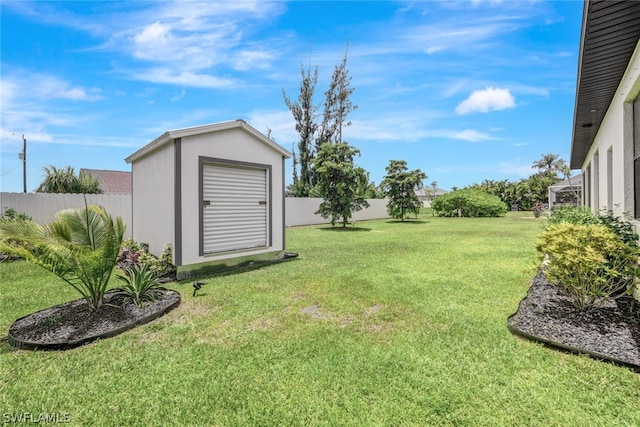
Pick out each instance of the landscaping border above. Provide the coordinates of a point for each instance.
(173, 302)
(556, 344)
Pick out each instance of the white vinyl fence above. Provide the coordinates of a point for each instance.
(301, 211)
(42, 207)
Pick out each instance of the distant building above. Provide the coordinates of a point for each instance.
(111, 182)
(427, 194)
(567, 192)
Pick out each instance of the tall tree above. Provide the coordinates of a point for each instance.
(550, 165)
(337, 105)
(399, 186)
(340, 182)
(65, 180)
(304, 114)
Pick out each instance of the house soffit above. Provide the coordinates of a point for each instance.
(610, 33)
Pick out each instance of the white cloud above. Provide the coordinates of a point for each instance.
(183, 78)
(44, 87)
(79, 94)
(489, 99)
(281, 123)
(253, 59)
(471, 135)
(153, 42)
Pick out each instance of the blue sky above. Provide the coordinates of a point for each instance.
(465, 91)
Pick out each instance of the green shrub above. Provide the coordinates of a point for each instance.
(621, 227)
(9, 216)
(140, 284)
(134, 253)
(469, 202)
(574, 215)
(584, 216)
(587, 262)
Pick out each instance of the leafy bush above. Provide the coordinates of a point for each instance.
(469, 202)
(80, 246)
(587, 263)
(11, 214)
(580, 215)
(140, 284)
(621, 227)
(584, 216)
(134, 253)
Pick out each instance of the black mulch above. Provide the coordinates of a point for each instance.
(610, 332)
(73, 323)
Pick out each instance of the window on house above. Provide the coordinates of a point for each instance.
(610, 179)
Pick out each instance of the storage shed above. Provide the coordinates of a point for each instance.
(214, 192)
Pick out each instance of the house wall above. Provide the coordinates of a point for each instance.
(611, 154)
(153, 201)
(235, 145)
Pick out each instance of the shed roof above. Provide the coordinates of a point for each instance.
(197, 130)
(610, 33)
(111, 182)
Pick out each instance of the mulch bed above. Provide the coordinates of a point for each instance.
(73, 323)
(610, 332)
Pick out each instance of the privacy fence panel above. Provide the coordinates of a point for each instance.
(301, 211)
(42, 207)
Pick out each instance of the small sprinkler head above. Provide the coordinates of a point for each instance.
(197, 286)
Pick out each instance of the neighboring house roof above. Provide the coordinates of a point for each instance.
(610, 33)
(573, 182)
(428, 192)
(111, 182)
(197, 130)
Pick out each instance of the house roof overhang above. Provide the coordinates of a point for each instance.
(171, 135)
(610, 33)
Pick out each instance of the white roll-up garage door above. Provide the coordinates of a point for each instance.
(234, 208)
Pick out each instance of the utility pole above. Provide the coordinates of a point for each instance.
(23, 156)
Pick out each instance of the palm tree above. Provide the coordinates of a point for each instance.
(64, 180)
(80, 246)
(550, 165)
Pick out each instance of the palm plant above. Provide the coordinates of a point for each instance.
(64, 180)
(140, 284)
(80, 246)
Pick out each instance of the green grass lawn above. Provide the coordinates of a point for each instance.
(386, 324)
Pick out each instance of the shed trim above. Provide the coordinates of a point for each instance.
(177, 217)
(168, 136)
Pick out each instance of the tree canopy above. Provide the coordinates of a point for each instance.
(65, 180)
(336, 106)
(399, 186)
(340, 182)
